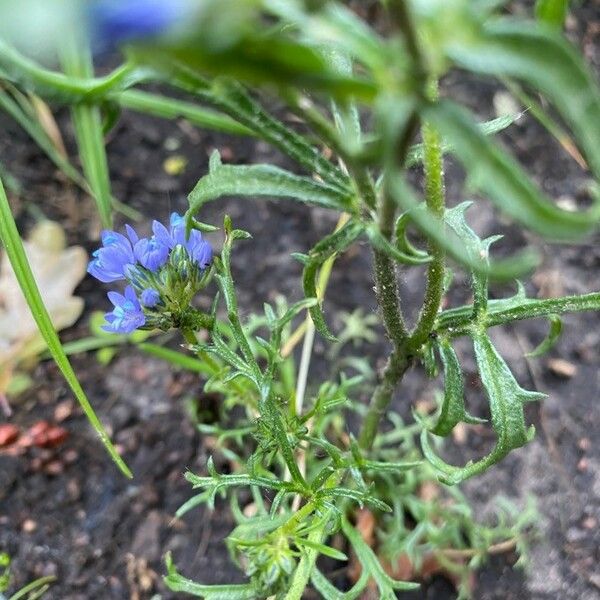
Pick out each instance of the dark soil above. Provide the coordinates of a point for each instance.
(67, 512)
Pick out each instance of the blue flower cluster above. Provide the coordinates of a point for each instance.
(163, 270)
(117, 21)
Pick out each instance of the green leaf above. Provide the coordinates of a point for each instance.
(546, 61)
(338, 241)
(177, 583)
(262, 180)
(34, 590)
(329, 592)
(478, 252)
(18, 259)
(551, 338)
(370, 564)
(77, 62)
(506, 398)
(493, 172)
(27, 120)
(453, 409)
(171, 108)
(401, 192)
(552, 12)
(321, 548)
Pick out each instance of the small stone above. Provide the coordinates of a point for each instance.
(29, 526)
(63, 411)
(584, 444)
(8, 434)
(562, 368)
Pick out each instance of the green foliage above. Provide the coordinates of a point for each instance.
(296, 473)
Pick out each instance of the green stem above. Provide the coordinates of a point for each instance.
(395, 368)
(435, 200)
(385, 272)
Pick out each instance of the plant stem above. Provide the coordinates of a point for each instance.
(397, 365)
(435, 200)
(385, 273)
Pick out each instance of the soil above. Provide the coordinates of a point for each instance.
(67, 512)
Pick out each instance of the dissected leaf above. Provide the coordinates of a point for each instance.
(506, 398)
(453, 409)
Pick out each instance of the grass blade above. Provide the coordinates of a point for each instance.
(18, 259)
(87, 121)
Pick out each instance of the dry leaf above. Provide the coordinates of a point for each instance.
(57, 271)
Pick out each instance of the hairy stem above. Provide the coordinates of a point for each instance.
(395, 368)
(435, 200)
(385, 273)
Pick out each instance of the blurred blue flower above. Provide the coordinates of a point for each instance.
(150, 298)
(151, 253)
(115, 21)
(127, 314)
(110, 262)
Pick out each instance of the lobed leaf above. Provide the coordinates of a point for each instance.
(506, 400)
(453, 409)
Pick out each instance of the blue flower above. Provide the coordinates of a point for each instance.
(110, 262)
(116, 21)
(150, 297)
(151, 253)
(199, 250)
(127, 314)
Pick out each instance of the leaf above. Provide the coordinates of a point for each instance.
(551, 338)
(493, 172)
(477, 251)
(171, 108)
(37, 133)
(552, 12)
(545, 60)
(321, 548)
(370, 563)
(453, 409)
(77, 62)
(401, 192)
(338, 241)
(506, 400)
(329, 592)
(57, 271)
(177, 583)
(18, 259)
(261, 180)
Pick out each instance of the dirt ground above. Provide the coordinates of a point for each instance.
(67, 512)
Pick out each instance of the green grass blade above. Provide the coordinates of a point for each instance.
(170, 108)
(87, 121)
(39, 586)
(18, 259)
(39, 136)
